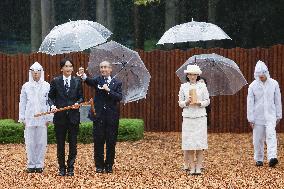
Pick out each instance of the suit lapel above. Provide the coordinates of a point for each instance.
(72, 85)
(112, 83)
(61, 84)
(101, 81)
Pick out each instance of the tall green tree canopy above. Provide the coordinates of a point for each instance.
(140, 23)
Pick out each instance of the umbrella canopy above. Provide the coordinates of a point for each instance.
(74, 36)
(223, 75)
(193, 31)
(127, 67)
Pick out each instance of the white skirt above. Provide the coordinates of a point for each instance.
(194, 133)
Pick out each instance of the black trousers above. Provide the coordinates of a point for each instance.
(61, 131)
(105, 130)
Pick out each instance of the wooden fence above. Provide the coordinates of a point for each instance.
(160, 109)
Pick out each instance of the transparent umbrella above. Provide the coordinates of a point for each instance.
(74, 36)
(193, 31)
(223, 75)
(127, 67)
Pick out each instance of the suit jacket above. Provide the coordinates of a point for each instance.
(59, 98)
(106, 102)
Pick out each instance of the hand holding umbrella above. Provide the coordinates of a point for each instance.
(127, 67)
(81, 73)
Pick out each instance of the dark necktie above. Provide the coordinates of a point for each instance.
(66, 86)
(106, 79)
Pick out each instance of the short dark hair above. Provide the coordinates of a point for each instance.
(198, 78)
(62, 63)
(186, 78)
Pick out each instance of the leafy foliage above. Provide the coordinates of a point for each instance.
(249, 23)
(144, 2)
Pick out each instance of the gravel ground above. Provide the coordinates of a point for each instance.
(154, 162)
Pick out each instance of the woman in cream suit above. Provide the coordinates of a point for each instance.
(193, 98)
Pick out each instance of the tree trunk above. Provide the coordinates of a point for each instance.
(212, 4)
(101, 12)
(47, 17)
(183, 9)
(35, 25)
(104, 13)
(110, 20)
(138, 27)
(84, 9)
(170, 13)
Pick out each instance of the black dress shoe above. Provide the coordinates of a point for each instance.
(108, 169)
(273, 162)
(259, 163)
(30, 170)
(62, 172)
(99, 170)
(70, 172)
(38, 170)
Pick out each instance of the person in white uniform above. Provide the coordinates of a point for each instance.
(33, 100)
(194, 125)
(264, 112)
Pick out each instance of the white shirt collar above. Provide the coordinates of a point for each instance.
(108, 79)
(64, 78)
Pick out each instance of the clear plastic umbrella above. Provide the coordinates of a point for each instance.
(223, 75)
(127, 67)
(74, 36)
(193, 31)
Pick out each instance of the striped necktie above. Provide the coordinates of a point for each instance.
(66, 86)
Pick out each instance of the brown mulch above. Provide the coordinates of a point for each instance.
(154, 162)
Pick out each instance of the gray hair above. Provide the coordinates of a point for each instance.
(106, 62)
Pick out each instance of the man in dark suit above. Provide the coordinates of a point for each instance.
(106, 121)
(66, 90)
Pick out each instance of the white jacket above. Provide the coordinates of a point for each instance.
(33, 100)
(264, 98)
(202, 97)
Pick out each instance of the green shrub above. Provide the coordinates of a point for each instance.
(129, 130)
(51, 134)
(86, 133)
(11, 132)
(7, 121)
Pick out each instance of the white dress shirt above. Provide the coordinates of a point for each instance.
(68, 79)
(108, 79)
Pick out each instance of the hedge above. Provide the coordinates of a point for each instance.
(129, 130)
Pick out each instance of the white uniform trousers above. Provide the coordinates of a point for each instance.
(36, 144)
(261, 133)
